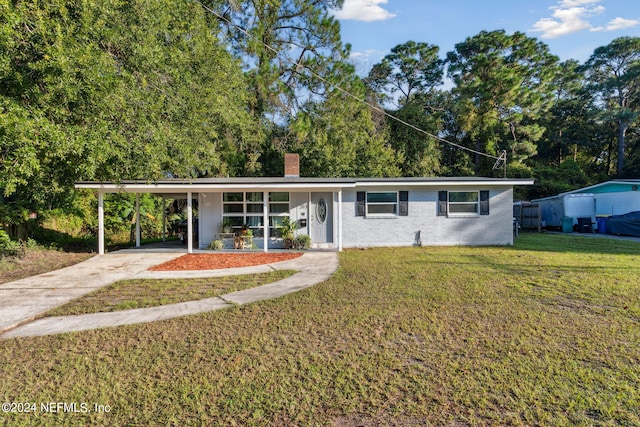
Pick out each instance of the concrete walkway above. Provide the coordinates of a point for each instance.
(24, 300)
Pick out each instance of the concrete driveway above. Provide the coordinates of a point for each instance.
(22, 302)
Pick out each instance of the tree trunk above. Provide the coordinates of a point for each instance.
(622, 130)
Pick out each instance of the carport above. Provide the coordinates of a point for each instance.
(190, 189)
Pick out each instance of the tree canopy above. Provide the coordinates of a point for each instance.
(110, 90)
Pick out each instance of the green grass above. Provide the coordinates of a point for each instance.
(127, 294)
(544, 333)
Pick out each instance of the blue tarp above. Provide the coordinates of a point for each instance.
(627, 224)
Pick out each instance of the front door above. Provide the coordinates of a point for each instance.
(321, 218)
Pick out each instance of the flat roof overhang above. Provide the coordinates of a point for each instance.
(204, 185)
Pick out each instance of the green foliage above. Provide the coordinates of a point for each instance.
(550, 181)
(420, 153)
(88, 91)
(503, 85)
(8, 247)
(303, 242)
(410, 69)
(614, 81)
(116, 90)
(216, 245)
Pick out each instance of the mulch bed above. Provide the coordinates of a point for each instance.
(218, 261)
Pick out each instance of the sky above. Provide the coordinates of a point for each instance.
(572, 29)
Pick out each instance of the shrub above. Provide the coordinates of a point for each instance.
(7, 246)
(303, 242)
(216, 245)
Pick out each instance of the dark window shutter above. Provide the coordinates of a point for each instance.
(404, 203)
(442, 203)
(361, 203)
(484, 202)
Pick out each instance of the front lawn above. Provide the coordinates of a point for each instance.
(545, 333)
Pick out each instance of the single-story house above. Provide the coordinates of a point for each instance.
(338, 213)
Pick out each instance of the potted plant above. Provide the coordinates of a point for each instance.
(225, 225)
(287, 230)
(246, 231)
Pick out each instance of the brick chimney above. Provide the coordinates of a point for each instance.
(291, 165)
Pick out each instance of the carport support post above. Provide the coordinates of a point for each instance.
(340, 220)
(189, 223)
(100, 223)
(164, 219)
(265, 220)
(137, 220)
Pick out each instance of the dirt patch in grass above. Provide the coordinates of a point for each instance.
(218, 261)
(37, 261)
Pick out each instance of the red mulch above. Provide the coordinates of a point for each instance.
(218, 261)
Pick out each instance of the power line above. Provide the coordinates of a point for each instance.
(499, 160)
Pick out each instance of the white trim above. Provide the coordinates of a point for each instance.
(315, 186)
(443, 183)
(211, 188)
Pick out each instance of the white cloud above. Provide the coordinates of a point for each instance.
(571, 16)
(568, 17)
(363, 10)
(621, 24)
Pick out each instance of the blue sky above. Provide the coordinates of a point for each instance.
(571, 28)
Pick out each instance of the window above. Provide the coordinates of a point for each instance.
(243, 209)
(278, 210)
(383, 203)
(463, 202)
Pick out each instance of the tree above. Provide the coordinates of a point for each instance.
(113, 90)
(614, 75)
(502, 86)
(407, 77)
(262, 32)
(410, 69)
(336, 136)
(419, 152)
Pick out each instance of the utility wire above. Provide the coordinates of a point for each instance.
(500, 159)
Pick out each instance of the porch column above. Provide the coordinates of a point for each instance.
(340, 220)
(265, 220)
(189, 223)
(164, 219)
(137, 220)
(100, 223)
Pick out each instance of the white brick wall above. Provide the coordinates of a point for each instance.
(493, 229)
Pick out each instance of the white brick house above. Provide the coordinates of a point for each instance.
(341, 212)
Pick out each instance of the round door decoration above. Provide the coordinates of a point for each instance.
(321, 211)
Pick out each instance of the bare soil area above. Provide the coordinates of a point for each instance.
(37, 261)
